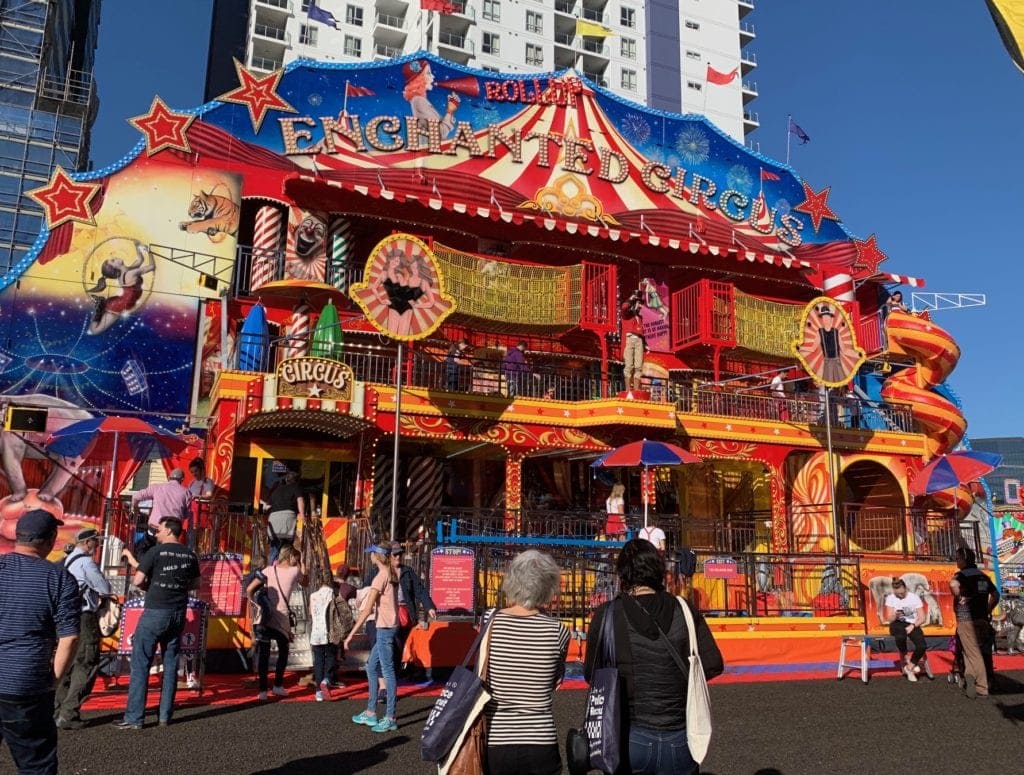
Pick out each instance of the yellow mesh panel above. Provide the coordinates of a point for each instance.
(485, 287)
(766, 326)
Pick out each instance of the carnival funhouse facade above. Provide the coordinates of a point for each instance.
(293, 265)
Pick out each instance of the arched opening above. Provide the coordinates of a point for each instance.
(871, 506)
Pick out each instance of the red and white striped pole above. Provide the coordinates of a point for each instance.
(265, 243)
(298, 331)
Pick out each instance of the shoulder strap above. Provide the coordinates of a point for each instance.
(488, 618)
(69, 561)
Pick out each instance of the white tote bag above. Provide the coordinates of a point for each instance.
(698, 701)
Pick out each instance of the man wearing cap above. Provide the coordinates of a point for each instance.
(39, 614)
(167, 572)
(170, 499)
(93, 586)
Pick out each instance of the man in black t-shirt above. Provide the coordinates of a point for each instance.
(167, 572)
(287, 506)
(974, 597)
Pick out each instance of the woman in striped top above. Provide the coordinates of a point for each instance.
(525, 664)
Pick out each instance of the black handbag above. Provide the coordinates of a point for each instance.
(597, 745)
(460, 702)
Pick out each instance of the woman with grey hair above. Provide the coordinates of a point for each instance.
(525, 664)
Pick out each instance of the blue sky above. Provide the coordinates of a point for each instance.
(914, 121)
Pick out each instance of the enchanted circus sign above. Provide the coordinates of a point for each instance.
(315, 378)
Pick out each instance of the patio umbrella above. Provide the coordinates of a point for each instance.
(114, 438)
(647, 454)
(949, 471)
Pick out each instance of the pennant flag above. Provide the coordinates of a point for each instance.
(351, 90)
(722, 78)
(592, 29)
(795, 129)
(1009, 18)
(766, 175)
(318, 14)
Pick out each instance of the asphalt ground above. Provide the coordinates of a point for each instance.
(768, 728)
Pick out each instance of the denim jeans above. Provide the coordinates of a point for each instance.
(382, 662)
(323, 663)
(28, 728)
(156, 626)
(660, 752)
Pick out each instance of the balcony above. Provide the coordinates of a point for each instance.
(747, 33)
(566, 39)
(749, 91)
(386, 52)
(750, 121)
(591, 15)
(277, 10)
(594, 47)
(745, 7)
(262, 63)
(748, 61)
(271, 33)
(566, 7)
(595, 77)
(457, 42)
(284, 5)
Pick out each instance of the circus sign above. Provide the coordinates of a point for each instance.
(315, 378)
(827, 346)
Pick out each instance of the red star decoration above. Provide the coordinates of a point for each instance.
(64, 200)
(163, 128)
(816, 206)
(869, 255)
(258, 94)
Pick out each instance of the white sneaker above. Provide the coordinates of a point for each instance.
(908, 671)
(280, 691)
(261, 696)
(191, 682)
(319, 696)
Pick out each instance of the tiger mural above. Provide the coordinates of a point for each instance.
(212, 215)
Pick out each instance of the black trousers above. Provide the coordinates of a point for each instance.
(523, 760)
(899, 631)
(28, 728)
(77, 683)
(263, 656)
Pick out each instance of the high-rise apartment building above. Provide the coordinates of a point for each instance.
(47, 106)
(659, 53)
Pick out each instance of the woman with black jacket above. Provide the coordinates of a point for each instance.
(654, 710)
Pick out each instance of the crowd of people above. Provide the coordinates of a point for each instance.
(49, 642)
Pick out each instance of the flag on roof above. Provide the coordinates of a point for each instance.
(592, 29)
(351, 90)
(722, 78)
(766, 175)
(1009, 18)
(795, 129)
(318, 14)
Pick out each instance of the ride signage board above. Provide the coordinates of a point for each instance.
(453, 580)
(720, 568)
(309, 377)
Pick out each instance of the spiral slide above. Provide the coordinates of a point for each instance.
(936, 355)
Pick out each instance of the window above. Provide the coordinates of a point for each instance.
(695, 85)
(353, 46)
(492, 10)
(534, 55)
(695, 55)
(491, 44)
(692, 25)
(305, 6)
(307, 35)
(354, 15)
(489, 69)
(628, 48)
(629, 80)
(534, 22)
(627, 17)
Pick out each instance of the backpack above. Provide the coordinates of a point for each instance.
(108, 612)
(340, 620)
(259, 603)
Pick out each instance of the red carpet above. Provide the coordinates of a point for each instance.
(235, 689)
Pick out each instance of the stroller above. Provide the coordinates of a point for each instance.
(956, 673)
